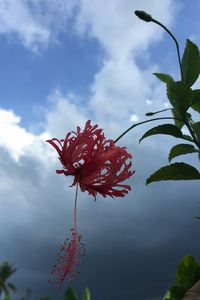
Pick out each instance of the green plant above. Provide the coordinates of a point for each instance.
(6, 271)
(182, 98)
(187, 274)
(71, 294)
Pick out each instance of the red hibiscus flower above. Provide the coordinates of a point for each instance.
(97, 164)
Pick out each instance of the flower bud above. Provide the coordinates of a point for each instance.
(149, 114)
(143, 15)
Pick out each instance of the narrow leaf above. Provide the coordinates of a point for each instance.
(190, 63)
(86, 294)
(70, 294)
(176, 171)
(169, 129)
(181, 149)
(163, 77)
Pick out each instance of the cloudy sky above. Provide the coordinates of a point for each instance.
(64, 62)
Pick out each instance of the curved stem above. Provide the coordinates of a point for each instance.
(175, 40)
(192, 133)
(155, 119)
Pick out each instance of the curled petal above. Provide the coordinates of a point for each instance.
(97, 164)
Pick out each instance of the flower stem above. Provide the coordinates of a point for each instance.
(148, 18)
(156, 112)
(75, 208)
(146, 121)
(176, 42)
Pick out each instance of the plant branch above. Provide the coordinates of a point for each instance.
(191, 132)
(148, 18)
(147, 121)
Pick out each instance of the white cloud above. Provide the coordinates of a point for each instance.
(34, 22)
(134, 118)
(120, 87)
(12, 136)
(64, 113)
(116, 27)
(18, 141)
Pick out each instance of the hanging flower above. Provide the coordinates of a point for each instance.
(97, 164)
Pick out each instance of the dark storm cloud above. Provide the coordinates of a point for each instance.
(133, 244)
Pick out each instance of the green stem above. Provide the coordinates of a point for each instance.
(191, 132)
(156, 112)
(175, 40)
(143, 122)
(148, 18)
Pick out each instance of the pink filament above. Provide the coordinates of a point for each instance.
(69, 255)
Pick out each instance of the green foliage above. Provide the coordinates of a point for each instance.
(187, 137)
(196, 100)
(196, 128)
(176, 171)
(71, 294)
(187, 274)
(180, 123)
(169, 129)
(6, 271)
(190, 63)
(181, 149)
(180, 96)
(7, 297)
(163, 77)
(86, 294)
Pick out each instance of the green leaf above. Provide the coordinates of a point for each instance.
(70, 294)
(163, 77)
(180, 123)
(176, 292)
(181, 149)
(180, 96)
(176, 171)
(186, 272)
(7, 297)
(196, 128)
(169, 129)
(167, 296)
(190, 63)
(187, 137)
(86, 294)
(196, 100)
